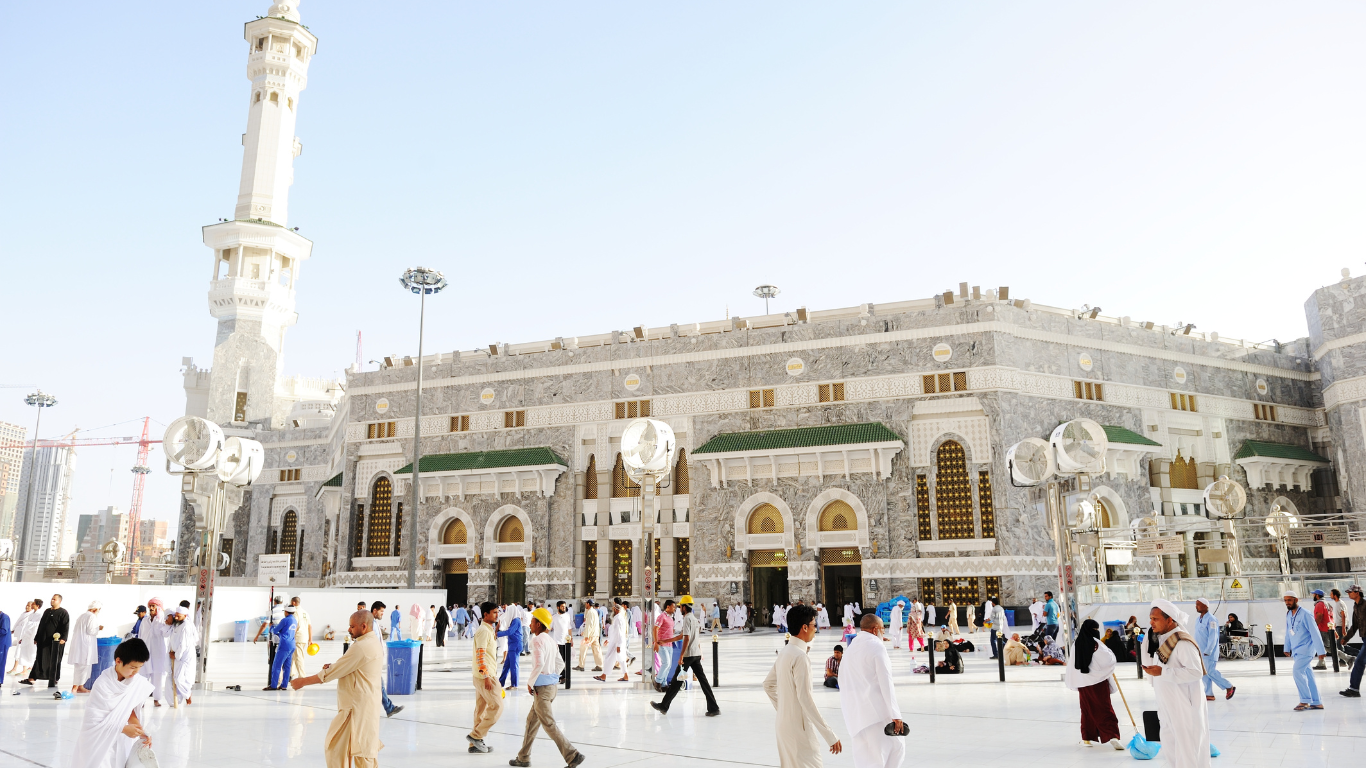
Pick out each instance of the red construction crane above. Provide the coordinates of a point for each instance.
(140, 471)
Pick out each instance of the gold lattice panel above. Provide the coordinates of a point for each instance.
(847, 556)
(962, 590)
(511, 565)
(358, 531)
(511, 531)
(1183, 473)
(398, 531)
(768, 558)
(655, 547)
(681, 473)
(289, 536)
(953, 493)
(765, 519)
(381, 518)
(838, 516)
(456, 565)
(682, 567)
(928, 594)
(622, 487)
(922, 508)
(621, 568)
(455, 533)
(993, 588)
(590, 481)
(590, 567)
(986, 505)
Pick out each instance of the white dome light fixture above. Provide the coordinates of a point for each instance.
(647, 448)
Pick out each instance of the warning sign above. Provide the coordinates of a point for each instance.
(1237, 588)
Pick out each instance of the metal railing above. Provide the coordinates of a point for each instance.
(1214, 587)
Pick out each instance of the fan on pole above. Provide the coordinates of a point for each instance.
(1080, 446)
(1278, 525)
(1030, 461)
(1224, 501)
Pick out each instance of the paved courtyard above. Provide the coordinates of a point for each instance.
(971, 719)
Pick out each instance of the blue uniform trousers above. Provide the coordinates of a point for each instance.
(1304, 680)
(281, 665)
(1212, 675)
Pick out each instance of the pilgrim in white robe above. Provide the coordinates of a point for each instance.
(82, 648)
(101, 743)
(868, 700)
(788, 686)
(1181, 704)
(183, 642)
(822, 619)
(154, 633)
(428, 623)
(848, 613)
(616, 651)
(24, 631)
(894, 628)
(929, 615)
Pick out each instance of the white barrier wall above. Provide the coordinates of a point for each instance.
(1261, 612)
(231, 604)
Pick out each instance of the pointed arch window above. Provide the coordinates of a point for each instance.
(590, 482)
(455, 533)
(289, 537)
(838, 516)
(622, 487)
(358, 532)
(378, 537)
(765, 518)
(1183, 473)
(681, 474)
(398, 530)
(511, 531)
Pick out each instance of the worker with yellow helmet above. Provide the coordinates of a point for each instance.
(542, 683)
(689, 659)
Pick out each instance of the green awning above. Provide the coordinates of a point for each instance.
(1253, 448)
(1122, 435)
(335, 482)
(800, 437)
(515, 457)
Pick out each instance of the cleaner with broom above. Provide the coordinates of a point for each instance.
(1089, 675)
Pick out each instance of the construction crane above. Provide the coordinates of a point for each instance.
(140, 471)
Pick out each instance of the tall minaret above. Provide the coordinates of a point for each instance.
(256, 258)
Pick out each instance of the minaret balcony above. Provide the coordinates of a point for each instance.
(258, 299)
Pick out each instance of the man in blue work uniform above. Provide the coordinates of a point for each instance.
(1207, 637)
(514, 635)
(284, 653)
(1303, 644)
(395, 621)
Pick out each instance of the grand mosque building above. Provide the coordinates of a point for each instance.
(837, 454)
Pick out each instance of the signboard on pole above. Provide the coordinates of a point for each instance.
(1325, 536)
(272, 571)
(649, 582)
(1159, 545)
(1237, 588)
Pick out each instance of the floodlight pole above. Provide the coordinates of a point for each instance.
(39, 400)
(1063, 547)
(417, 448)
(647, 581)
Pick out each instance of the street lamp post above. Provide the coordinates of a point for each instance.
(421, 281)
(766, 292)
(39, 400)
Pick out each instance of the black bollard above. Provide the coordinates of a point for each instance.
(932, 660)
(1001, 660)
(1333, 649)
(1137, 643)
(420, 648)
(715, 663)
(1270, 650)
(567, 652)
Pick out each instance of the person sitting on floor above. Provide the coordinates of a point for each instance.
(1015, 652)
(952, 663)
(1051, 653)
(1117, 646)
(832, 668)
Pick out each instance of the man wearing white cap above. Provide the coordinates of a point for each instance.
(1207, 637)
(896, 622)
(85, 650)
(1303, 644)
(183, 646)
(1171, 658)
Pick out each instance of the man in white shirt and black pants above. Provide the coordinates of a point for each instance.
(690, 658)
(561, 625)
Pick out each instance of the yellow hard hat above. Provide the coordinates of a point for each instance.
(542, 615)
(685, 600)
(313, 649)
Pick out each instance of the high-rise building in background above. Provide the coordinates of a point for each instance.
(12, 438)
(154, 539)
(44, 500)
(93, 531)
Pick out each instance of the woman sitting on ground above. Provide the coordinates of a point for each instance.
(1051, 653)
(1117, 646)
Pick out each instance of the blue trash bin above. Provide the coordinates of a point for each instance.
(106, 650)
(239, 633)
(1010, 620)
(403, 655)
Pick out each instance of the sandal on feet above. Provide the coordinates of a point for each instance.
(1209, 698)
(1300, 708)
(1316, 706)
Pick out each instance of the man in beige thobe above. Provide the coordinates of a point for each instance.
(592, 637)
(353, 736)
(488, 702)
(303, 636)
(789, 688)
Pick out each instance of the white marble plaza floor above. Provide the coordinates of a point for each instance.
(966, 720)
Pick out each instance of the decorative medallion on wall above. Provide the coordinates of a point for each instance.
(381, 406)
(1179, 374)
(1084, 360)
(795, 366)
(1262, 388)
(942, 352)
(632, 382)
(486, 397)
(291, 457)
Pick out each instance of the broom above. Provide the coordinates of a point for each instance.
(174, 705)
(1139, 747)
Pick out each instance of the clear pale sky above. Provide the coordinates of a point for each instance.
(576, 168)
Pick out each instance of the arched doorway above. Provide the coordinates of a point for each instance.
(767, 567)
(841, 568)
(511, 570)
(456, 569)
(289, 539)
(378, 541)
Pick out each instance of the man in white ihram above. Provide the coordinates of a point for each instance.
(1171, 658)
(896, 622)
(868, 699)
